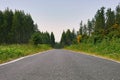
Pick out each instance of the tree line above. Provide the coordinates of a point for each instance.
(19, 28)
(68, 37)
(104, 25)
(15, 27)
(43, 38)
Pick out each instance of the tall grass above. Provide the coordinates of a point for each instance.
(10, 52)
(109, 49)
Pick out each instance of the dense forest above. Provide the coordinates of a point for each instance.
(43, 38)
(19, 28)
(104, 26)
(19, 36)
(99, 36)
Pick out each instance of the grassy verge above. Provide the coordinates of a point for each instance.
(108, 49)
(10, 52)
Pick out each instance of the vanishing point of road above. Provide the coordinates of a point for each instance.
(61, 65)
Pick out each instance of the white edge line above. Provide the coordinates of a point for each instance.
(96, 56)
(22, 58)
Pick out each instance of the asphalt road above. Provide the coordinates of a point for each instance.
(61, 65)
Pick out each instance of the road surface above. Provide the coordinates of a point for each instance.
(61, 65)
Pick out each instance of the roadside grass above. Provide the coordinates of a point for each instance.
(10, 52)
(108, 49)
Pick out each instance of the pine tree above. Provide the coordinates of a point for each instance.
(81, 29)
(110, 20)
(118, 14)
(90, 27)
(52, 39)
(99, 20)
(1, 26)
(17, 27)
(63, 38)
(7, 25)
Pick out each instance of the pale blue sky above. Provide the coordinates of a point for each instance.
(58, 15)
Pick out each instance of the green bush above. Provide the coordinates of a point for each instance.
(10, 52)
(107, 48)
(36, 38)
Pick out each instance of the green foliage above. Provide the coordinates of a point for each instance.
(43, 38)
(90, 27)
(36, 38)
(110, 49)
(104, 24)
(118, 14)
(15, 27)
(101, 35)
(100, 21)
(80, 32)
(110, 16)
(68, 37)
(52, 39)
(58, 46)
(10, 52)
(63, 38)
